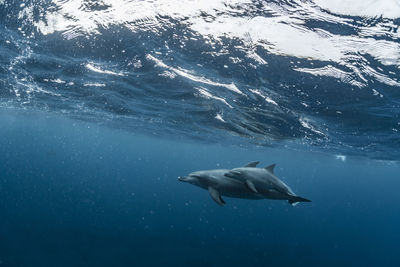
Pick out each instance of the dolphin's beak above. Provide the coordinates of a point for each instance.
(182, 178)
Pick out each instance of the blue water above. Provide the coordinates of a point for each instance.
(103, 104)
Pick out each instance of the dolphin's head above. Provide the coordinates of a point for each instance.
(193, 178)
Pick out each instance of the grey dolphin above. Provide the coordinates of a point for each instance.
(218, 184)
(263, 181)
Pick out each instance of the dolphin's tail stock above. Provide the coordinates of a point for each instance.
(296, 199)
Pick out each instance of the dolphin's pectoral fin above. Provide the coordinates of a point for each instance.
(216, 196)
(270, 168)
(232, 173)
(251, 186)
(252, 164)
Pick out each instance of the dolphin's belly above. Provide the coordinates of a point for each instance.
(247, 194)
(241, 194)
(233, 188)
(273, 194)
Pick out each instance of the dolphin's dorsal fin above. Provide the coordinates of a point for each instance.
(270, 168)
(216, 196)
(251, 186)
(252, 164)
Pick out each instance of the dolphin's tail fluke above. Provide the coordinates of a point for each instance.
(296, 199)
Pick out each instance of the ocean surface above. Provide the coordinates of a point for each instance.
(103, 104)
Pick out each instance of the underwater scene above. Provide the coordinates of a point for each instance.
(199, 133)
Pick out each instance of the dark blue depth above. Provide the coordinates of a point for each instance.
(76, 194)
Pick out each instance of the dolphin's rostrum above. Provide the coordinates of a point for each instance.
(246, 182)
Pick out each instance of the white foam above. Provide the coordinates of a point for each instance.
(363, 8)
(305, 122)
(257, 58)
(185, 73)
(57, 81)
(219, 117)
(94, 68)
(284, 33)
(287, 36)
(267, 99)
(206, 94)
(331, 71)
(168, 74)
(71, 15)
(94, 84)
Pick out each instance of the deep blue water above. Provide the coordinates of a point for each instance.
(78, 194)
(103, 104)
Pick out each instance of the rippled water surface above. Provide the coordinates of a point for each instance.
(319, 73)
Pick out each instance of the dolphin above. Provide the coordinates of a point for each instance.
(218, 184)
(263, 181)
